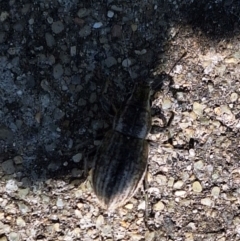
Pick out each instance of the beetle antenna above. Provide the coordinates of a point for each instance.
(182, 56)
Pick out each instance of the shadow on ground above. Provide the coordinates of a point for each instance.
(50, 111)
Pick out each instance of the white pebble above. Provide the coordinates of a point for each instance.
(234, 97)
(215, 192)
(192, 153)
(60, 203)
(110, 14)
(11, 186)
(180, 193)
(178, 185)
(159, 206)
(197, 187)
(97, 25)
(142, 206)
(206, 202)
(166, 104)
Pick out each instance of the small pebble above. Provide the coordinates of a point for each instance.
(78, 213)
(110, 61)
(150, 236)
(161, 180)
(77, 158)
(196, 186)
(85, 31)
(23, 192)
(134, 27)
(159, 206)
(141, 206)
(56, 227)
(31, 21)
(11, 186)
(58, 114)
(97, 25)
(166, 104)
(23, 208)
(215, 192)
(234, 97)
(178, 185)
(3, 16)
(129, 206)
(60, 203)
(57, 27)
(126, 63)
(198, 165)
(206, 202)
(110, 14)
(140, 52)
(20, 222)
(180, 193)
(14, 236)
(170, 182)
(38, 117)
(8, 167)
(225, 109)
(57, 71)
(198, 108)
(18, 160)
(77, 231)
(49, 40)
(99, 221)
(180, 96)
(189, 237)
(192, 153)
(50, 20)
(231, 60)
(116, 31)
(178, 69)
(3, 238)
(73, 50)
(83, 12)
(116, 8)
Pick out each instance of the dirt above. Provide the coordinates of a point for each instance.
(56, 59)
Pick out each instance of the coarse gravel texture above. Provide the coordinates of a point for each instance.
(51, 118)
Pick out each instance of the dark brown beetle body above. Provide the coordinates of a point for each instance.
(121, 160)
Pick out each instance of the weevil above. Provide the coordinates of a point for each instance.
(121, 160)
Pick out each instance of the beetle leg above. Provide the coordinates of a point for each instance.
(107, 107)
(146, 213)
(105, 103)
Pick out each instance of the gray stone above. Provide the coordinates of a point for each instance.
(50, 40)
(85, 31)
(8, 167)
(57, 27)
(110, 61)
(83, 12)
(57, 71)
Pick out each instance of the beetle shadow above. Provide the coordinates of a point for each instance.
(216, 20)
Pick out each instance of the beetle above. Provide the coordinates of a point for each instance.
(121, 159)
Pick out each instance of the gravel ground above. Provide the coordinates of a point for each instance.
(51, 119)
